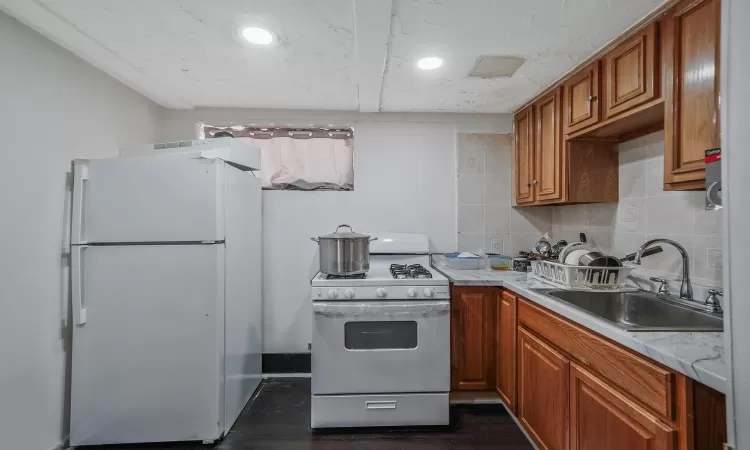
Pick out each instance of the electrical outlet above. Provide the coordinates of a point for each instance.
(496, 246)
(471, 162)
(715, 258)
(629, 215)
(309, 347)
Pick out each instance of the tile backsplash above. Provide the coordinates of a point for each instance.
(487, 220)
(645, 211)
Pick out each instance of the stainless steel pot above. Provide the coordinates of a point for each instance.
(344, 253)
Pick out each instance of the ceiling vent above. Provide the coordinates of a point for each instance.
(496, 66)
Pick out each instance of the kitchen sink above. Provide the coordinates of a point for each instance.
(639, 311)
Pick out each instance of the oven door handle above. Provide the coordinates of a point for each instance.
(391, 310)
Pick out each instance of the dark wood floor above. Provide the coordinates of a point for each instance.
(279, 418)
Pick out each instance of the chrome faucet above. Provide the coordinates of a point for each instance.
(686, 289)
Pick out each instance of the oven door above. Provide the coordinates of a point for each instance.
(381, 347)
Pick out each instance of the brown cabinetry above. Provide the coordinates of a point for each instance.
(691, 60)
(472, 338)
(582, 104)
(549, 170)
(505, 348)
(542, 392)
(524, 156)
(631, 72)
(548, 149)
(603, 418)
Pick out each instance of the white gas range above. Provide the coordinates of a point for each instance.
(381, 343)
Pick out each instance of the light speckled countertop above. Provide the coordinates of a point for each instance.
(699, 355)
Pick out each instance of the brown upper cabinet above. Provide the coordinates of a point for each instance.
(582, 104)
(631, 72)
(524, 154)
(548, 149)
(691, 52)
(549, 170)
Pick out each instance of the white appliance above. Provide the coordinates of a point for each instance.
(381, 343)
(166, 294)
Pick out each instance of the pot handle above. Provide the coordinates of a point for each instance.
(315, 240)
(372, 239)
(344, 225)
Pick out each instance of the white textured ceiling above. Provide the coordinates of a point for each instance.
(334, 54)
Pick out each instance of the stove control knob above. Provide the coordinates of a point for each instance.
(411, 292)
(380, 292)
(427, 292)
(349, 293)
(332, 293)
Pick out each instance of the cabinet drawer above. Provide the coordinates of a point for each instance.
(647, 382)
(379, 410)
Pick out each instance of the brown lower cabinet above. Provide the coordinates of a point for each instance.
(571, 388)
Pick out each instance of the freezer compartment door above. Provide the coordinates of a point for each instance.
(147, 200)
(148, 361)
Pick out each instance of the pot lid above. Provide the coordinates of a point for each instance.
(345, 234)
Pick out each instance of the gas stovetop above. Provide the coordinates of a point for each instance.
(393, 271)
(402, 271)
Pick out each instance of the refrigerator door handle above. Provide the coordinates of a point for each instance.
(80, 176)
(76, 285)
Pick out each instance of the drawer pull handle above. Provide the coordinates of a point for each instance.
(381, 405)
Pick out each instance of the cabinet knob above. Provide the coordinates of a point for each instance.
(528, 184)
(592, 98)
(535, 182)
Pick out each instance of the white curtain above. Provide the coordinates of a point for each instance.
(307, 164)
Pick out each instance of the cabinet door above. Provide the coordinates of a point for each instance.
(582, 99)
(524, 156)
(505, 348)
(548, 173)
(603, 418)
(542, 392)
(631, 72)
(691, 124)
(472, 338)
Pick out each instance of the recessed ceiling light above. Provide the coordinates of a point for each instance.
(430, 63)
(257, 35)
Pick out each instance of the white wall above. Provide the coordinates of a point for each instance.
(53, 108)
(404, 181)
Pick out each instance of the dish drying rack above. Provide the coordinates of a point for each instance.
(586, 278)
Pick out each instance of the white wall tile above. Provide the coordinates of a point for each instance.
(532, 220)
(497, 218)
(471, 219)
(707, 223)
(633, 179)
(471, 242)
(602, 238)
(497, 189)
(669, 214)
(470, 140)
(626, 243)
(470, 189)
(601, 215)
(573, 217)
(470, 154)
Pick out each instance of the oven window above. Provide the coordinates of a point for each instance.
(380, 335)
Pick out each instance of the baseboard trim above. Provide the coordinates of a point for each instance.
(284, 363)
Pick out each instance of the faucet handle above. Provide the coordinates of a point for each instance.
(664, 287)
(713, 302)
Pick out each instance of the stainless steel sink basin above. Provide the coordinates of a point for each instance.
(639, 311)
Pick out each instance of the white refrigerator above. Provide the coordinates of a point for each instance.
(166, 294)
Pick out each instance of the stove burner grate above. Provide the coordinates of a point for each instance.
(359, 276)
(402, 271)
